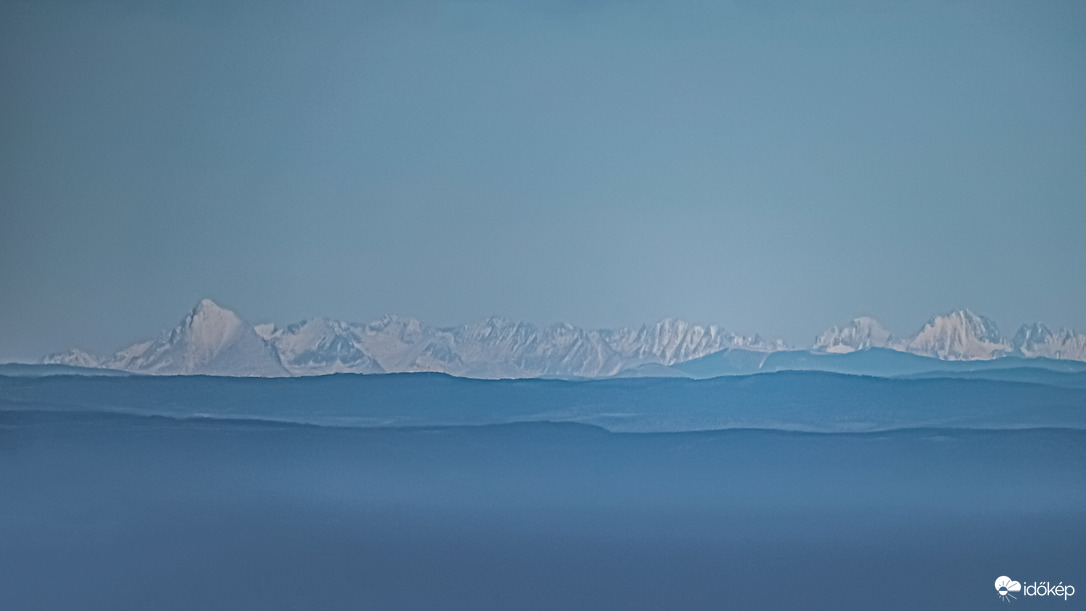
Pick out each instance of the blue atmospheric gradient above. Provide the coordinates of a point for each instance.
(125, 512)
(423, 491)
(770, 167)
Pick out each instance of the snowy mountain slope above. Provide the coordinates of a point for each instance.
(862, 333)
(500, 348)
(1037, 340)
(210, 340)
(959, 336)
(319, 346)
(73, 357)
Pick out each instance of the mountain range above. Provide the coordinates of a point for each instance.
(960, 335)
(212, 340)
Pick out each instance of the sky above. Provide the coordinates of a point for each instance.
(771, 167)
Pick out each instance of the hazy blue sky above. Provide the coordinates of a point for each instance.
(770, 167)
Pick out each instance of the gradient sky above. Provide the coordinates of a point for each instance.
(770, 167)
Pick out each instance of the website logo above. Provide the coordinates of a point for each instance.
(1005, 586)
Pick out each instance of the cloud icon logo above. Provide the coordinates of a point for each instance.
(1005, 585)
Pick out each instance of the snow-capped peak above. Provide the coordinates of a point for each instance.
(207, 305)
(1037, 340)
(209, 329)
(74, 357)
(210, 340)
(319, 346)
(1032, 335)
(960, 335)
(862, 333)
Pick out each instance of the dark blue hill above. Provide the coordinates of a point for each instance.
(871, 362)
(119, 512)
(815, 401)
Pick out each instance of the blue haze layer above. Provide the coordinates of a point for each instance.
(423, 491)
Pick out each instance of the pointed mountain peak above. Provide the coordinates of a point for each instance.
(210, 339)
(965, 321)
(209, 307)
(1032, 333)
(862, 333)
(965, 315)
(959, 335)
(393, 319)
(211, 325)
